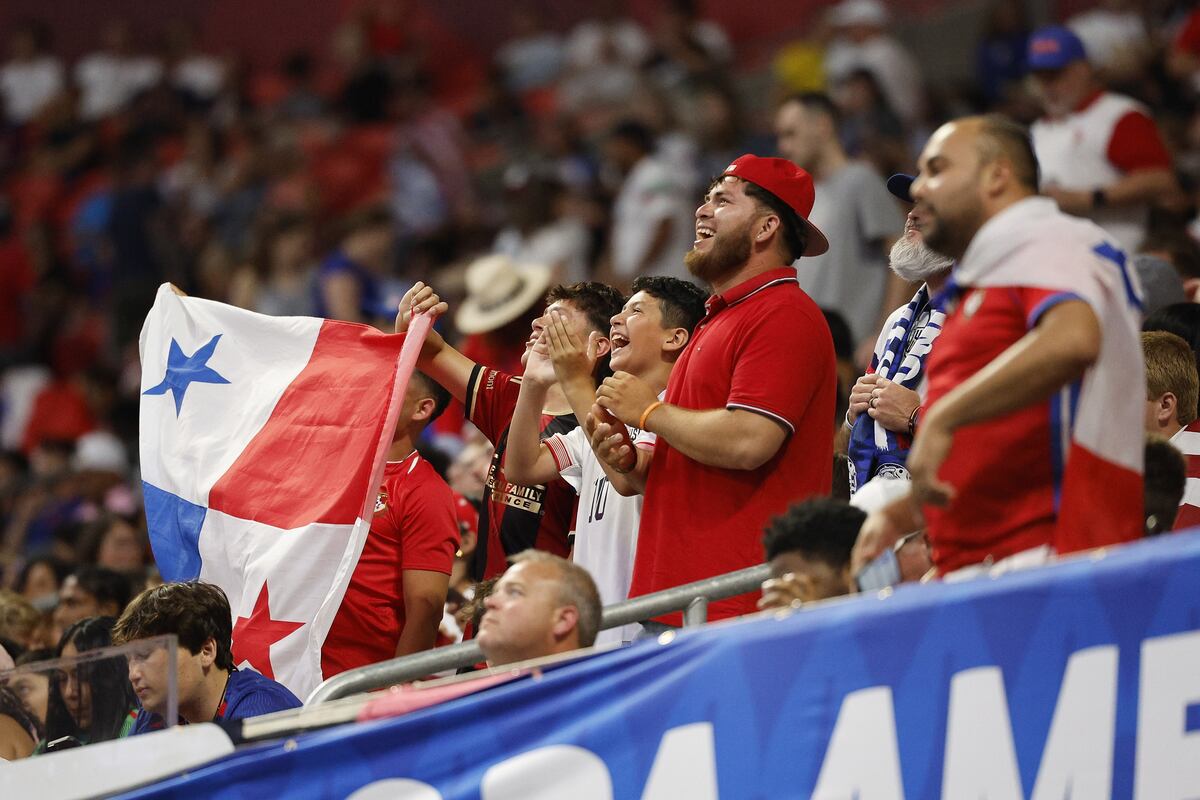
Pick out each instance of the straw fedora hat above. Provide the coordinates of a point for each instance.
(498, 291)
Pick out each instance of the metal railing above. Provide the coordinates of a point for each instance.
(690, 598)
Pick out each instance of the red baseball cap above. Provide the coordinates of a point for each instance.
(788, 183)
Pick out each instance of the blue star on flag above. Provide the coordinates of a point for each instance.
(183, 370)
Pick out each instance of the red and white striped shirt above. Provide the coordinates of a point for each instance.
(1187, 441)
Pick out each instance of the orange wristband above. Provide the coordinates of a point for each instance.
(646, 413)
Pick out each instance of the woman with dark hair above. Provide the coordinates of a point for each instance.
(868, 127)
(97, 693)
(39, 580)
(117, 543)
(280, 279)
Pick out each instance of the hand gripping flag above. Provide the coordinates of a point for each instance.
(263, 442)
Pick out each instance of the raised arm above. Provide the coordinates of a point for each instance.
(574, 363)
(574, 366)
(527, 461)
(450, 368)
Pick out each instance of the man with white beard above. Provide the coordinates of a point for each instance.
(885, 404)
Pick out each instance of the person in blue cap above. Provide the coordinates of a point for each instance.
(1101, 154)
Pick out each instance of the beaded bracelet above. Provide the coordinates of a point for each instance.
(912, 421)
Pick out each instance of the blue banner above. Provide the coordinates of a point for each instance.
(1077, 680)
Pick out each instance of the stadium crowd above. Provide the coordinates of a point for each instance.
(626, 370)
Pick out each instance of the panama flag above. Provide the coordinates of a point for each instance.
(262, 445)
(1097, 438)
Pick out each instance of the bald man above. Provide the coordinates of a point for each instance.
(1032, 442)
(542, 605)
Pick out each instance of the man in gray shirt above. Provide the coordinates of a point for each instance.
(859, 217)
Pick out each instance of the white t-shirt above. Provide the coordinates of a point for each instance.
(856, 213)
(653, 191)
(1115, 41)
(27, 86)
(606, 524)
(1072, 153)
(589, 43)
(199, 74)
(107, 82)
(563, 243)
(532, 61)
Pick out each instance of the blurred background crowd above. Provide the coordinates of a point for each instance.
(390, 141)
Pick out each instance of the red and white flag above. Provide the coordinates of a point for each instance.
(1097, 421)
(262, 444)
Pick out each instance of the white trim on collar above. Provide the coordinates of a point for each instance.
(766, 285)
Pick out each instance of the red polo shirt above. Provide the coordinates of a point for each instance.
(765, 347)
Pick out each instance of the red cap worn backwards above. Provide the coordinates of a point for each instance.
(790, 184)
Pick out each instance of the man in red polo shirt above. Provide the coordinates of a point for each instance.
(1032, 442)
(744, 430)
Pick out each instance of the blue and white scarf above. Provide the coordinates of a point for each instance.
(874, 450)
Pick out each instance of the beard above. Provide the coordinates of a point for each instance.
(948, 234)
(728, 252)
(913, 261)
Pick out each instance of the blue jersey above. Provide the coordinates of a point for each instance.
(248, 694)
